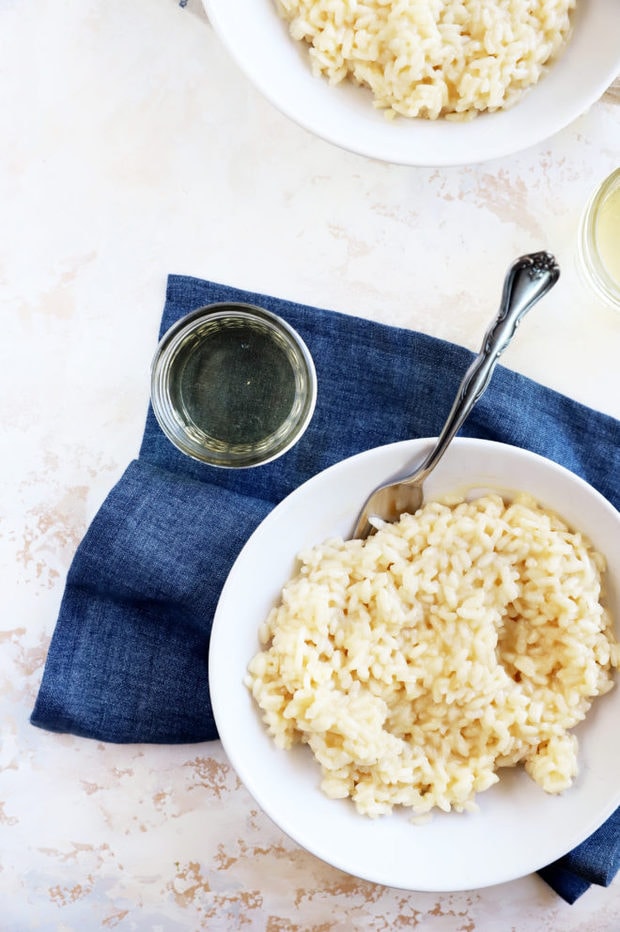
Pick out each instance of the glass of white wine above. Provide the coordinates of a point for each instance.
(599, 240)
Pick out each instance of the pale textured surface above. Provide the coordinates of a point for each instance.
(131, 147)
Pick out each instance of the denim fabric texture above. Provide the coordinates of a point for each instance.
(128, 657)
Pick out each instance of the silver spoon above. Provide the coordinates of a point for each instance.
(527, 280)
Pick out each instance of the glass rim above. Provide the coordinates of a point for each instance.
(595, 270)
(218, 453)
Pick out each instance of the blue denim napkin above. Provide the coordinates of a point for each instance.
(128, 657)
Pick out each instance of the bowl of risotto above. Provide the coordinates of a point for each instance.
(434, 708)
(423, 83)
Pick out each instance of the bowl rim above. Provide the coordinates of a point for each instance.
(240, 727)
(560, 96)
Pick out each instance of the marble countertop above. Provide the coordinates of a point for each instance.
(132, 147)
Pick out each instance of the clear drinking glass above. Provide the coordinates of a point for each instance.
(233, 385)
(599, 240)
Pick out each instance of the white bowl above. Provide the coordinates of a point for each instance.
(279, 67)
(519, 828)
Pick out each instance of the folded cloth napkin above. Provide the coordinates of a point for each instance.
(128, 657)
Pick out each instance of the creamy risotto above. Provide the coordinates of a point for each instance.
(468, 637)
(432, 58)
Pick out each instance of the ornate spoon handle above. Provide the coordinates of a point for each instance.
(528, 279)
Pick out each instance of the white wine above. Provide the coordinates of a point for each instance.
(599, 240)
(233, 385)
(607, 233)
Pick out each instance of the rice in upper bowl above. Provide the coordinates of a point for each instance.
(432, 58)
(465, 638)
